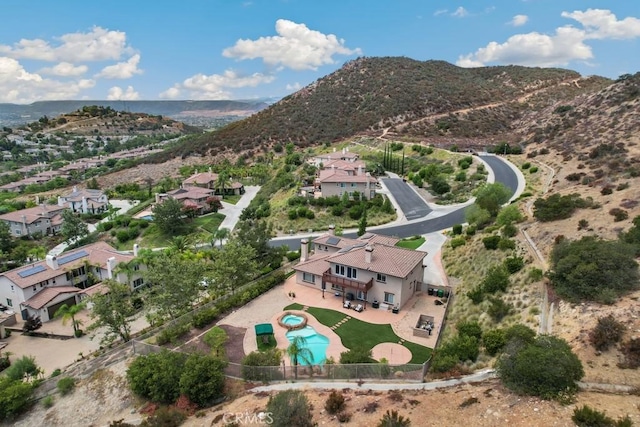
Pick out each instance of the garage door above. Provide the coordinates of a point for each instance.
(52, 310)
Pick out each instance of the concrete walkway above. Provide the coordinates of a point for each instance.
(232, 212)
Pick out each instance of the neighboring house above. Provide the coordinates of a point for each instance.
(323, 159)
(335, 181)
(368, 269)
(208, 180)
(13, 187)
(85, 201)
(43, 287)
(43, 219)
(197, 198)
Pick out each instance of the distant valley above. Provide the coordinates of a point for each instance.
(204, 114)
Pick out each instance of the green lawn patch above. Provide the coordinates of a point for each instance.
(210, 222)
(232, 199)
(294, 306)
(411, 243)
(264, 346)
(355, 333)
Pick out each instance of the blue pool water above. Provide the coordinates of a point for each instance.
(147, 217)
(316, 342)
(292, 320)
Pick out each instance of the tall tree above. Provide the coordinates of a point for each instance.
(492, 196)
(223, 182)
(73, 228)
(113, 311)
(67, 313)
(362, 224)
(168, 215)
(298, 352)
(255, 233)
(234, 266)
(220, 235)
(174, 283)
(7, 243)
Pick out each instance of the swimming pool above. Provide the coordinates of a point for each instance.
(315, 342)
(147, 217)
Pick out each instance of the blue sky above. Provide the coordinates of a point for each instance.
(227, 49)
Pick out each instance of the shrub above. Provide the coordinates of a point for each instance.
(357, 354)
(392, 419)
(463, 347)
(491, 242)
(496, 280)
(458, 241)
(583, 224)
(47, 402)
(631, 352)
(56, 373)
(589, 417)
(335, 402)
(519, 333)
(156, 376)
(271, 357)
(66, 385)
(608, 331)
(15, 397)
(526, 165)
(619, 214)
(509, 230)
(456, 229)
(290, 408)
(471, 329)
(204, 317)
(443, 362)
(506, 244)
(533, 169)
(476, 295)
(498, 309)
(514, 264)
(344, 417)
(606, 191)
(202, 380)
(520, 368)
(25, 366)
(494, 340)
(171, 333)
(165, 417)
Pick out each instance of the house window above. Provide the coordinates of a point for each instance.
(340, 270)
(308, 277)
(9, 302)
(138, 282)
(353, 184)
(136, 267)
(342, 184)
(34, 289)
(12, 290)
(382, 278)
(18, 232)
(352, 273)
(388, 298)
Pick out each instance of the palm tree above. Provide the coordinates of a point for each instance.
(221, 234)
(223, 182)
(298, 352)
(37, 253)
(392, 419)
(180, 244)
(68, 313)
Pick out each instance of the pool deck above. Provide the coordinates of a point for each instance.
(269, 307)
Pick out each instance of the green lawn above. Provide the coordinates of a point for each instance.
(232, 199)
(209, 222)
(271, 343)
(355, 332)
(411, 243)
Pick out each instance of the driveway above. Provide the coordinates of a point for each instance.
(412, 205)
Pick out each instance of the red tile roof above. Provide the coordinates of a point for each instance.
(33, 214)
(45, 296)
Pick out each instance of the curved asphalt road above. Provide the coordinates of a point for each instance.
(412, 205)
(502, 171)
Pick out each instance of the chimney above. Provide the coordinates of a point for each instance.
(75, 189)
(37, 199)
(157, 198)
(52, 262)
(344, 151)
(111, 265)
(85, 208)
(359, 170)
(136, 248)
(304, 250)
(332, 229)
(368, 251)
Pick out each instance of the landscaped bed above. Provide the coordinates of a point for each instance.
(355, 332)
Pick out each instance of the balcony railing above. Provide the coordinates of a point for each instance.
(346, 283)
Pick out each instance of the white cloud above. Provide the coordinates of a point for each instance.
(296, 47)
(17, 85)
(460, 12)
(559, 49)
(97, 45)
(121, 70)
(116, 93)
(603, 24)
(215, 86)
(519, 20)
(294, 87)
(65, 69)
(440, 12)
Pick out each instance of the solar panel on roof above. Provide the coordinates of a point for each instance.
(31, 271)
(333, 240)
(71, 257)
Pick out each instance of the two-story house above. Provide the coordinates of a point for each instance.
(209, 179)
(368, 269)
(336, 180)
(324, 159)
(43, 219)
(197, 198)
(85, 200)
(42, 287)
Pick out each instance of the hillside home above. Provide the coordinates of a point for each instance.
(196, 198)
(369, 269)
(40, 288)
(85, 201)
(208, 180)
(43, 219)
(338, 179)
(323, 159)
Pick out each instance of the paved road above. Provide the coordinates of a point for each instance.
(502, 172)
(413, 206)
